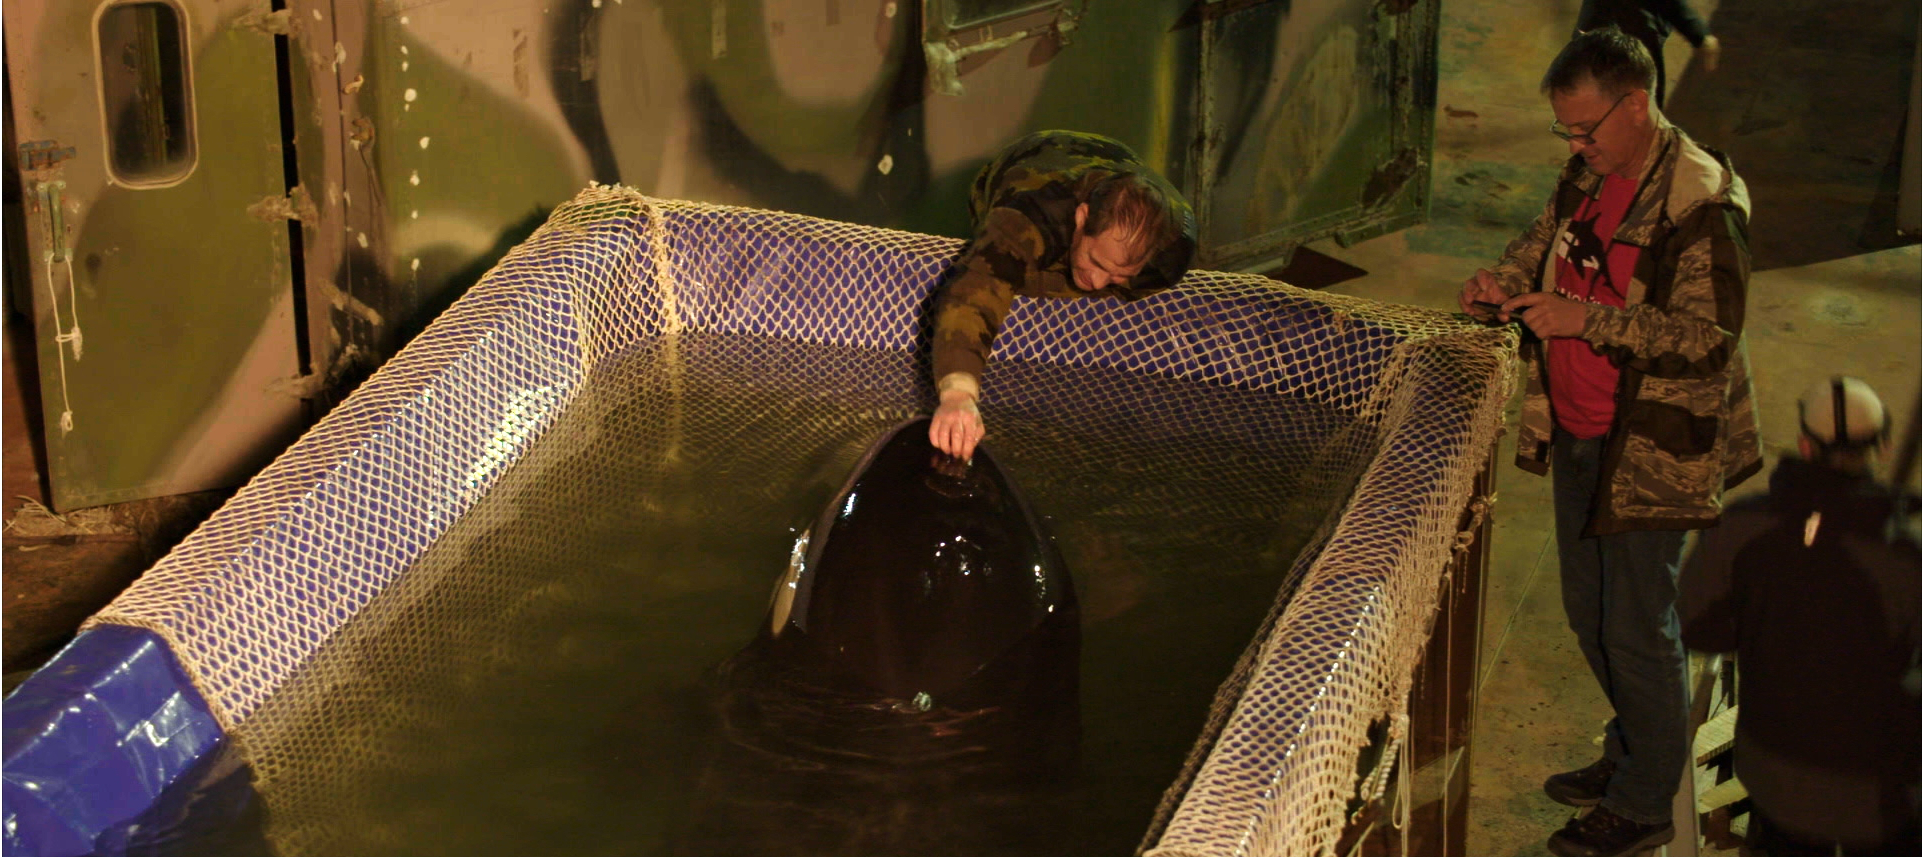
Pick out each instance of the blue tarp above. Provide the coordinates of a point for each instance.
(94, 738)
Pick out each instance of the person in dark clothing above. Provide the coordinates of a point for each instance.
(1817, 589)
(1057, 214)
(1650, 21)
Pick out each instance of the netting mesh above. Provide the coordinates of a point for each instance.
(340, 541)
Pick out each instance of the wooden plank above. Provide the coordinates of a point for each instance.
(1715, 737)
(1723, 794)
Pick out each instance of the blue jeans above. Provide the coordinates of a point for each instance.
(1619, 593)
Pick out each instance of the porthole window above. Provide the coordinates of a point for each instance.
(146, 93)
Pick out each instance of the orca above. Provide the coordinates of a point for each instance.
(930, 595)
(914, 685)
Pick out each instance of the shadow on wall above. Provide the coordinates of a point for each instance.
(1809, 103)
(404, 310)
(883, 197)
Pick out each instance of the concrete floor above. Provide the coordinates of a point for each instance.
(1812, 130)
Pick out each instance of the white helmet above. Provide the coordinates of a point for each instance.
(1843, 412)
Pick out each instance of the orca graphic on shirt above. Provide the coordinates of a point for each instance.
(1586, 252)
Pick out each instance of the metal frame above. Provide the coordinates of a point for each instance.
(1404, 197)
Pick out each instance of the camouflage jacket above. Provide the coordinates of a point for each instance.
(1685, 425)
(1022, 205)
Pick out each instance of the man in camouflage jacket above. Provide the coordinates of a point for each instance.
(1689, 430)
(1634, 280)
(1058, 214)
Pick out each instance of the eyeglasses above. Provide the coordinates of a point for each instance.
(1558, 129)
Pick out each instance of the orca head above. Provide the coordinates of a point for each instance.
(927, 579)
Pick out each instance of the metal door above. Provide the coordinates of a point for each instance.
(150, 155)
(1316, 120)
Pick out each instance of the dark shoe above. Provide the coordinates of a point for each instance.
(1584, 787)
(1604, 834)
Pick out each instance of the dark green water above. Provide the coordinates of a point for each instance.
(541, 680)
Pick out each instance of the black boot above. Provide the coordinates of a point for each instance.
(1604, 834)
(1584, 787)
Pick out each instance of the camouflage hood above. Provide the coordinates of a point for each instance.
(1045, 175)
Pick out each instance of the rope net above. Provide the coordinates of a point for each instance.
(377, 552)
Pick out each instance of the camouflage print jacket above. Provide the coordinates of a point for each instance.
(1685, 425)
(1022, 205)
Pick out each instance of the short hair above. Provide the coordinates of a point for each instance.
(1131, 202)
(1616, 61)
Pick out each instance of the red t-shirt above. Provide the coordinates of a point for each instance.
(1581, 383)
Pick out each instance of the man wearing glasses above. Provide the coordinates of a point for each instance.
(1634, 279)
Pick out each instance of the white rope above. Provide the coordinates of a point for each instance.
(1404, 807)
(61, 339)
(672, 324)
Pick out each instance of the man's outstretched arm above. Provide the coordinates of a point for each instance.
(966, 318)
